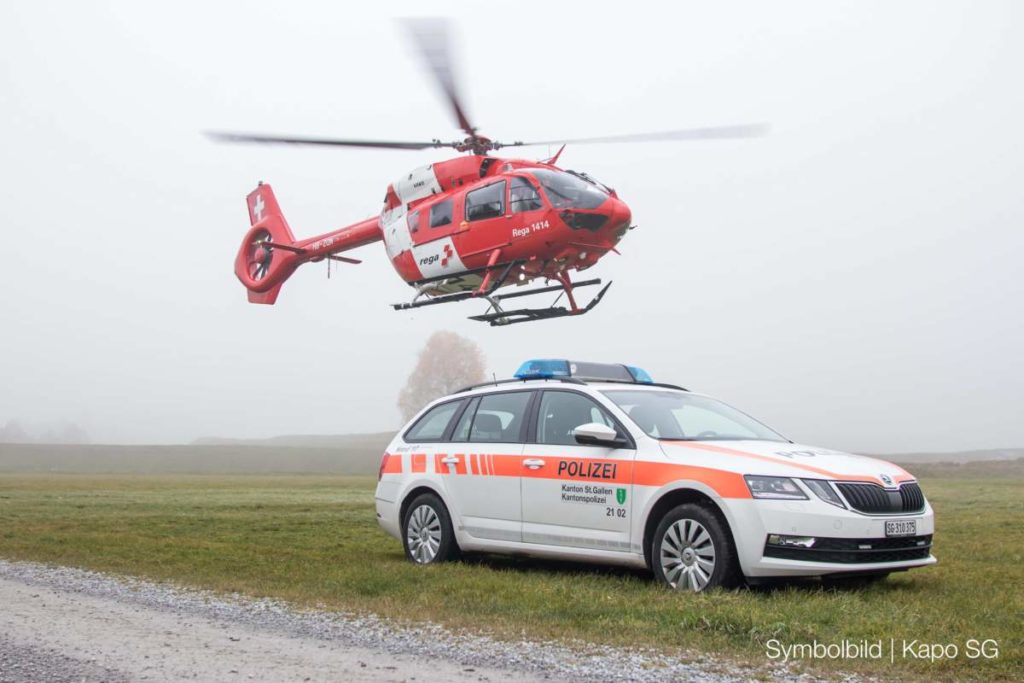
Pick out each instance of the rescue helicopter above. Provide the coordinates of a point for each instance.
(472, 227)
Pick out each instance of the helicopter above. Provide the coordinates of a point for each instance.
(475, 226)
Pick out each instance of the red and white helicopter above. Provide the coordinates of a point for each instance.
(465, 228)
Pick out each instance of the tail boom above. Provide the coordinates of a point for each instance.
(270, 254)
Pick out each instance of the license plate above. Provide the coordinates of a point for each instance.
(901, 527)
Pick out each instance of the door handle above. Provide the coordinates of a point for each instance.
(533, 463)
(450, 460)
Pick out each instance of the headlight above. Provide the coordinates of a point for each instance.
(822, 489)
(778, 488)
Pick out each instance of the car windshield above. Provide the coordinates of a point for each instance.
(678, 416)
(567, 191)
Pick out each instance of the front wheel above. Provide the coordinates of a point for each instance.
(692, 550)
(427, 531)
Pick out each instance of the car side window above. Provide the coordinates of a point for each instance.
(441, 214)
(523, 196)
(461, 431)
(432, 425)
(500, 417)
(563, 411)
(486, 202)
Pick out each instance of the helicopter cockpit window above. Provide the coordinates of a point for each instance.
(441, 214)
(566, 191)
(487, 202)
(523, 196)
(414, 221)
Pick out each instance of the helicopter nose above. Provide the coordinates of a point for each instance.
(619, 217)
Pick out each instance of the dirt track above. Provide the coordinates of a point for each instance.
(51, 635)
(63, 624)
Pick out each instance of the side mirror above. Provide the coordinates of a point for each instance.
(597, 434)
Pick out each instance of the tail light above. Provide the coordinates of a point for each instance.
(383, 464)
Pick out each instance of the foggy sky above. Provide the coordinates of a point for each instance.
(854, 279)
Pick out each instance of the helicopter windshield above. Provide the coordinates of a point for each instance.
(566, 191)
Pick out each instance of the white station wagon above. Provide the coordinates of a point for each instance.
(596, 462)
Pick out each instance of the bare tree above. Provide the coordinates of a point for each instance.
(447, 362)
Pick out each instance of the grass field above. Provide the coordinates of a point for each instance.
(313, 540)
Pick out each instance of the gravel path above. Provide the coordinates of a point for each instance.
(26, 664)
(63, 624)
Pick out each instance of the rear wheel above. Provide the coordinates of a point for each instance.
(427, 531)
(692, 550)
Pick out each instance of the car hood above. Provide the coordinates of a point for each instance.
(775, 458)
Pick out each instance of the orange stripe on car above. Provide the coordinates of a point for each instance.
(807, 468)
(419, 463)
(726, 484)
(507, 465)
(391, 464)
(640, 473)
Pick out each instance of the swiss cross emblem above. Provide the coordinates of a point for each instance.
(448, 253)
(257, 207)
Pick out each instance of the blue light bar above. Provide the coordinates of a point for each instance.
(640, 375)
(551, 368)
(543, 369)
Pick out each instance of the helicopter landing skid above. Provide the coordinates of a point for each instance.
(496, 315)
(417, 302)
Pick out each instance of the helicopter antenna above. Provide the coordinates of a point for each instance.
(553, 160)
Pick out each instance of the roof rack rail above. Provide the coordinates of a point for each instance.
(663, 385)
(494, 383)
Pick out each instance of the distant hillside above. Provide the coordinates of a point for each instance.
(351, 454)
(957, 456)
(377, 440)
(356, 457)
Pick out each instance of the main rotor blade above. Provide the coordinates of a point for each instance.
(433, 41)
(711, 133)
(275, 139)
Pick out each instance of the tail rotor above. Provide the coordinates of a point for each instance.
(260, 255)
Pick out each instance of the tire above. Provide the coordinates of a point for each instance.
(693, 550)
(427, 533)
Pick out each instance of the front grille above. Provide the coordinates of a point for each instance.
(873, 499)
(913, 498)
(856, 550)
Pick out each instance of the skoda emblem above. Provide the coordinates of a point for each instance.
(887, 480)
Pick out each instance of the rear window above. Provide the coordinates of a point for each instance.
(441, 214)
(499, 418)
(432, 426)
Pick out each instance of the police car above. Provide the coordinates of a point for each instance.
(596, 462)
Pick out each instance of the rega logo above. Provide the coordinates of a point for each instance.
(429, 260)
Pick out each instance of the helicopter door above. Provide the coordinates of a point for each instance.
(483, 221)
(436, 256)
(525, 209)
